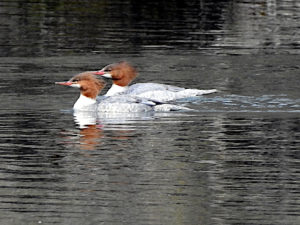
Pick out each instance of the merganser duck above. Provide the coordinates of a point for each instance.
(122, 74)
(89, 100)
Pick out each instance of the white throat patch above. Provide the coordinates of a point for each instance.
(75, 85)
(116, 89)
(85, 103)
(107, 75)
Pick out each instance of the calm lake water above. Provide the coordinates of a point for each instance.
(233, 160)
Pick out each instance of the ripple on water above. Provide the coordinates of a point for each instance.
(238, 103)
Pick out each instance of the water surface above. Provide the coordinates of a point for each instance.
(233, 160)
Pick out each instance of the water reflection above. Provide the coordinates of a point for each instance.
(234, 161)
(254, 169)
(93, 126)
(90, 137)
(85, 118)
(176, 168)
(64, 27)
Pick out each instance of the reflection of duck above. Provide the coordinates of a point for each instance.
(85, 118)
(123, 74)
(90, 137)
(90, 132)
(90, 87)
(93, 124)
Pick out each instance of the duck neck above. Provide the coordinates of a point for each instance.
(85, 103)
(116, 89)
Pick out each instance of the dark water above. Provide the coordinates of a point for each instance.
(234, 160)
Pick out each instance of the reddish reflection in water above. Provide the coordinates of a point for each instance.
(90, 137)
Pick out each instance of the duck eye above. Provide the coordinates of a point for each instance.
(75, 80)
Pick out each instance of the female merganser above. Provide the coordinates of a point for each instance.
(89, 100)
(122, 74)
